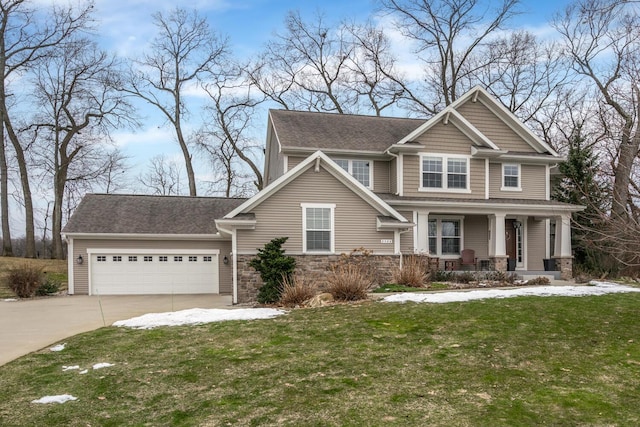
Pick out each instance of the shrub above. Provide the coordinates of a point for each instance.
(273, 266)
(466, 277)
(49, 287)
(25, 280)
(539, 281)
(412, 273)
(443, 276)
(296, 290)
(349, 282)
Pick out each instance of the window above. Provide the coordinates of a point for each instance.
(359, 169)
(101, 258)
(318, 227)
(163, 258)
(193, 258)
(177, 259)
(206, 258)
(510, 177)
(117, 258)
(148, 258)
(445, 236)
(435, 176)
(133, 258)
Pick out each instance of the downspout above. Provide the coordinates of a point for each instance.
(395, 156)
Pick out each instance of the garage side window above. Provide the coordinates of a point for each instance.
(133, 258)
(148, 258)
(163, 258)
(177, 259)
(193, 258)
(117, 258)
(206, 258)
(101, 258)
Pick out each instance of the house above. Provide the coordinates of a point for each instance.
(472, 177)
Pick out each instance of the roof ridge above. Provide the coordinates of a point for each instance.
(166, 196)
(281, 110)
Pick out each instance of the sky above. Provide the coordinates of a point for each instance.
(126, 27)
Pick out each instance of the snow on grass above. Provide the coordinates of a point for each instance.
(196, 316)
(596, 288)
(10, 299)
(102, 365)
(70, 368)
(62, 398)
(58, 347)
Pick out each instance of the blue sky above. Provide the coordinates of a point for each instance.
(126, 26)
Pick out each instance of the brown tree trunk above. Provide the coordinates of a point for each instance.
(7, 249)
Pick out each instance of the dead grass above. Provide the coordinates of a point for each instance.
(296, 290)
(413, 272)
(52, 268)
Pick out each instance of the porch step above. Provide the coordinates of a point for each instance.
(528, 275)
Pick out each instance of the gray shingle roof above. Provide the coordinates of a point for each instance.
(302, 129)
(141, 214)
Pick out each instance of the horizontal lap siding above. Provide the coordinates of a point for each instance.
(493, 127)
(293, 161)
(536, 244)
(406, 239)
(281, 216)
(393, 176)
(445, 139)
(80, 246)
(533, 183)
(381, 176)
(412, 180)
(476, 235)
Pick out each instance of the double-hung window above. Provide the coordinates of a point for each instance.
(444, 173)
(359, 169)
(445, 236)
(318, 227)
(510, 177)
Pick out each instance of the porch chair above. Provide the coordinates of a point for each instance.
(469, 258)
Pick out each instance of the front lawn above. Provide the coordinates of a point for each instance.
(54, 269)
(522, 361)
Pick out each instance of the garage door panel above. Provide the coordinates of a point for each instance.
(133, 275)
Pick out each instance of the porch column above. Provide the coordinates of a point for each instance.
(422, 241)
(497, 246)
(563, 255)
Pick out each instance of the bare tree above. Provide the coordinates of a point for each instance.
(24, 41)
(162, 177)
(602, 39)
(79, 106)
(448, 34)
(184, 48)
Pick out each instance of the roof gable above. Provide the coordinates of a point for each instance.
(318, 160)
(143, 214)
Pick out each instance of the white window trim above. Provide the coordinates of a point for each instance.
(350, 169)
(445, 161)
(519, 187)
(331, 207)
(439, 219)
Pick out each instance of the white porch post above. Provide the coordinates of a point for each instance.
(497, 235)
(422, 244)
(563, 236)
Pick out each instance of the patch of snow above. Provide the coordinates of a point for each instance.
(10, 299)
(102, 365)
(58, 347)
(84, 371)
(197, 316)
(595, 289)
(62, 398)
(70, 368)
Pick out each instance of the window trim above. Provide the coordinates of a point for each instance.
(331, 207)
(504, 187)
(350, 169)
(439, 219)
(445, 173)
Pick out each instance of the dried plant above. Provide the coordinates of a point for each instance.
(413, 272)
(296, 290)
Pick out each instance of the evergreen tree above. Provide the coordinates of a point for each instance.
(273, 266)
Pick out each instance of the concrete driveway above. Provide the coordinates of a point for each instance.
(29, 325)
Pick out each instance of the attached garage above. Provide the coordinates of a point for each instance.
(149, 272)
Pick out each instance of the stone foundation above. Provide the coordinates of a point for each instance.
(313, 267)
(565, 266)
(498, 263)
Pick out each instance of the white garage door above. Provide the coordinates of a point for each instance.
(140, 273)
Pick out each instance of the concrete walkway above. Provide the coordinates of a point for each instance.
(29, 325)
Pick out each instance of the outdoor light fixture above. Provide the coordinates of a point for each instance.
(80, 260)
(225, 260)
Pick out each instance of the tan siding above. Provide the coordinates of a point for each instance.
(393, 176)
(293, 161)
(536, 244)
(533, 183)
(493, 127)
(380, 176)
(412, 180)
(276, 159)
(476, 235)
(81, 272)
(445, 139)
(281, 216)
(406, 239)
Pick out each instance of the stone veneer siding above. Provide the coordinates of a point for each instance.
(315, 267)
(565, 266)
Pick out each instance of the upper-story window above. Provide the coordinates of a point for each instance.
(359, 169)
(445, 173)
(511, 177)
